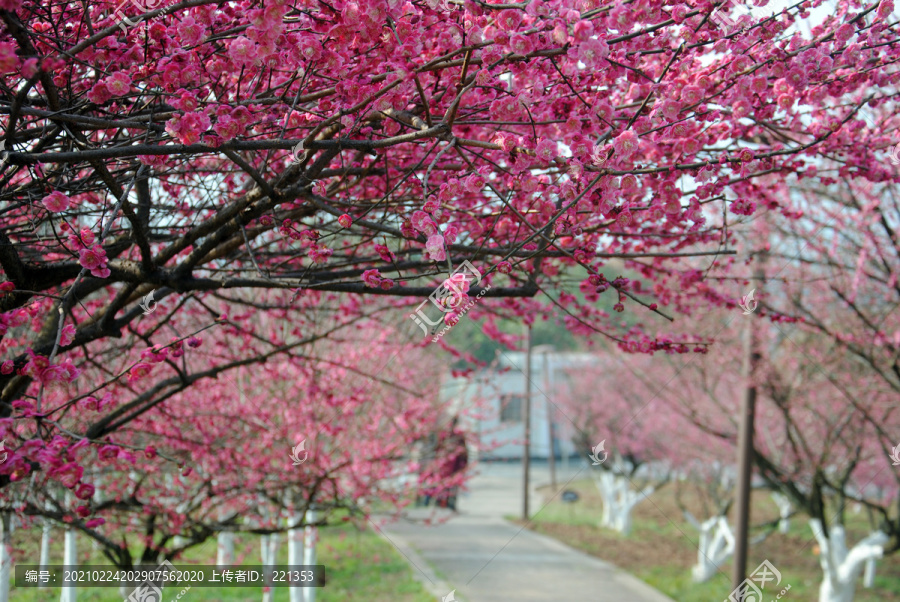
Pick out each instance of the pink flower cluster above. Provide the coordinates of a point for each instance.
(434, 248)
(385, 253)
(39, 368)
(373, 279)
(93, 259)
(188, 127)
(422, 222)
(319, 253)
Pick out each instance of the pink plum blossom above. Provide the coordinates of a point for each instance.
(56, 202)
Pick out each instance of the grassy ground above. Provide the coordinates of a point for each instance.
(663, 546)
(359, 566)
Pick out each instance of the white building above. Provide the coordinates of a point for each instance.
(491, 403)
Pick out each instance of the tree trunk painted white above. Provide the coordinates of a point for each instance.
(264, 555)
(310, 538)
(716, 546)
(179, 540)
(295, 555)
(224, 545)
(98, 499)
(618, 500)
(784, 510)
(269, 552)
(70, 559)
(869, 574)
(5, 556)
(46, 532)
(225, 548)
(841, 567)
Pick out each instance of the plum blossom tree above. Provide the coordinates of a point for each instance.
(815, 439)
(212, 466)
(318, 163)
(716, 543)
(147, 151)
(635, 460)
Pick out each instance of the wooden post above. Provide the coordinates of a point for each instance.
(745, 444)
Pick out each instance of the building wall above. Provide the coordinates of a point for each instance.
(477, 400)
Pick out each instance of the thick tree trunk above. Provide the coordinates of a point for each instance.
(842, 567)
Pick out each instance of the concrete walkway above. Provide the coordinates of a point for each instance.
(487, 559)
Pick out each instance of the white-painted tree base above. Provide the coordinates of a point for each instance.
(269, 552)
(225, 549)
(842, 567)
(716, 546)
(619, 500)
(310, 538)
(784, 510)
(5, 556)
(295, 555)
(70, 559)
(46, 535)
(869, 574)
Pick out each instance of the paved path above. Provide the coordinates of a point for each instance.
(487, 559)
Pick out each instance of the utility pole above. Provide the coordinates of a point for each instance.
(526, 451)
(745, 439)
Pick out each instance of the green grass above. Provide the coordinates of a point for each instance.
(359, 566)
(662, 546)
